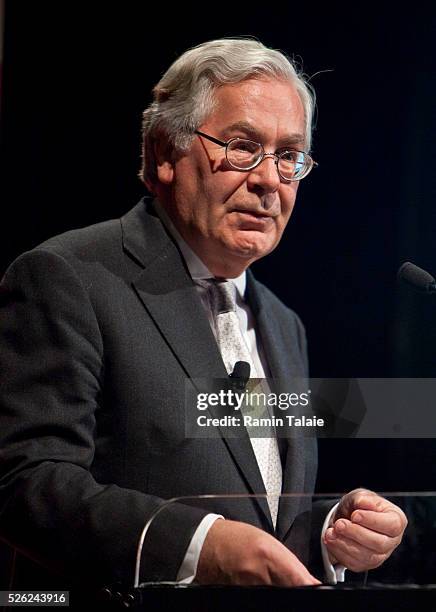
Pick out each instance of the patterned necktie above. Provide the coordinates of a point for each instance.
(233, 348)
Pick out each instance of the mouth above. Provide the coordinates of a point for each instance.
(253, 219)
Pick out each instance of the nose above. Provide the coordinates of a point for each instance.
(265, 176)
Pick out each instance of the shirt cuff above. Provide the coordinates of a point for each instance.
(334, 574)
(188, 568)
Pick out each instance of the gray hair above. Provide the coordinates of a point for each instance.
(184, 97)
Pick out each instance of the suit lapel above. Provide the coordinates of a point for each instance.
(167, 292)
(284, 361)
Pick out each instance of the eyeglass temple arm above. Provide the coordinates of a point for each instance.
(211, 138)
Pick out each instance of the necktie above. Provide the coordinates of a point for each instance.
(233, 348)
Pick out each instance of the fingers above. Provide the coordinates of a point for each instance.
(373, 541)
(287, 570)
(390, 522)
(372, 511)
(358, 547)
(365, 531)
(294, 577)
(238, 553)
(284, 568)
(351, 554)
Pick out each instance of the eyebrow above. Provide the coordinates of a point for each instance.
(251, 132)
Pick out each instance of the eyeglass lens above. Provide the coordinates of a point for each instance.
(244, 154)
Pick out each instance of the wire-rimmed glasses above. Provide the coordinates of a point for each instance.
(243, 154)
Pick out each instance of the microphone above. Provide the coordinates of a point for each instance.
(417, 278)
(240, 375)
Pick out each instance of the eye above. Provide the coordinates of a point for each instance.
(290, 156)
(244, 146)
(242, 153)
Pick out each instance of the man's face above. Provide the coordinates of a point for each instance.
(228, 217)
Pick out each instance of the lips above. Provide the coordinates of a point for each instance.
(258, 214)
(249, 219)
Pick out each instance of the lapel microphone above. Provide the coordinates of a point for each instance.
(416, 277)
(240, 375)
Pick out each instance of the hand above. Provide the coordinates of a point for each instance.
(366, 529)
(238, 553)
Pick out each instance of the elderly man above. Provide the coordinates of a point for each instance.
(101, 328)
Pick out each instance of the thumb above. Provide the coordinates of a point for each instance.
(363, 499)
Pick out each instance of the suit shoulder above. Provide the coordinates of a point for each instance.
(91, 242)
(82, 252)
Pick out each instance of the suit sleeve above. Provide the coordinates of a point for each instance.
(51, 381)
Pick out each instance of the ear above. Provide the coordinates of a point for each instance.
(164, 162)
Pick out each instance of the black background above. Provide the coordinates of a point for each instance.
(76, 78)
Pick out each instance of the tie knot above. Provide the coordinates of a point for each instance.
(222, 295)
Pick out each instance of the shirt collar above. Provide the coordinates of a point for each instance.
(197, 269)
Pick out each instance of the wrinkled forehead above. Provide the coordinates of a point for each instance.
(270, 109)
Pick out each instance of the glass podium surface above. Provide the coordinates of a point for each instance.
(413, 563)
(405, 581)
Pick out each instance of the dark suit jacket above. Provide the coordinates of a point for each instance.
(100, 328)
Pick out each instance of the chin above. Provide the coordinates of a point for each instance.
(254, 245)
(250, 250)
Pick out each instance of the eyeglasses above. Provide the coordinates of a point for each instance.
(245, 155)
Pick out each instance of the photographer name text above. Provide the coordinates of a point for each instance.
(250, 421)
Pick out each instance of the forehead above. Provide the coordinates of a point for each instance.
(268, 107)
